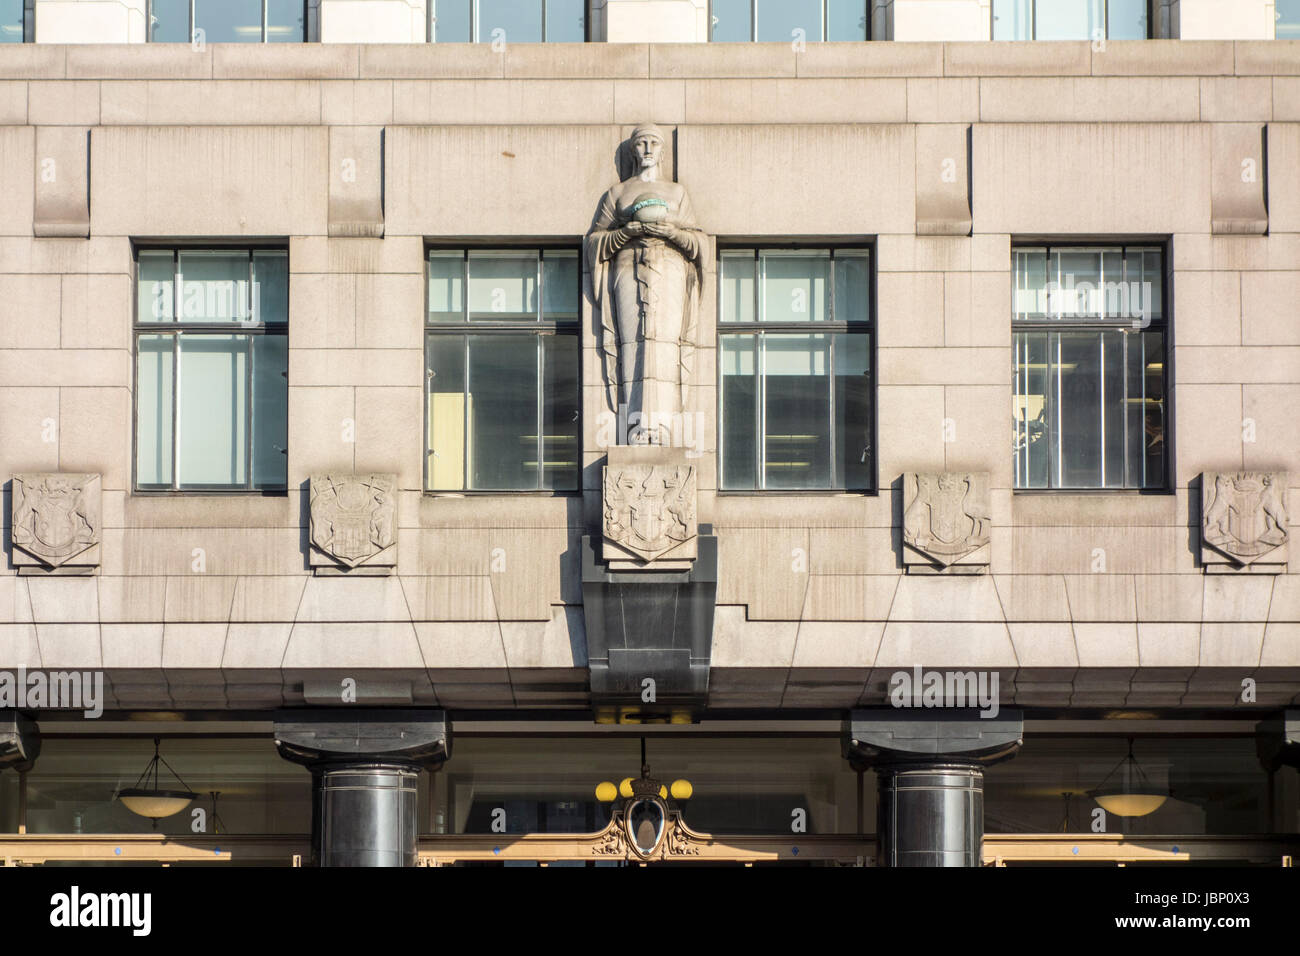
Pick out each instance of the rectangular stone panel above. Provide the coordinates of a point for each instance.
(62, 176)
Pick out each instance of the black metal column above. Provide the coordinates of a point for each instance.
(930, 778)
(365, 769)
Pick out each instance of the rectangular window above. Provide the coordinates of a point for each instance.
(1089, 333)
(212, 368)
(781, 21)
(17, 21)
(503, 352)
(1070, 19)
(510, 21)
(795, 377)
(228, 21)
(1287, 16)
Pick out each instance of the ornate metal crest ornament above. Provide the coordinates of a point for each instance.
(353, 523)
(56, 523)
(645, 827)
(649, 509)
(1243, 521)
(946, 521)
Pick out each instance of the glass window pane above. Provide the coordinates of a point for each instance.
(781, 21)
(1013, 20)
(270, 287)
(1032, 440)
(214, 286)
(852, 287)
(1111, 401)
(153, 410)
(739, 412)
(446, 287)
(213, 409)
(447, 412)
(796, 411)
(794, 287)
(731, 21)
(169, 21)
(1030, 284)
(502, 395)
(11, 21)
(846, 19)
(284, 21)
(1069, 19)
(853, 415)
(1127, 20)
(560, 420)
(520, 21)
(1144, 274)
(270, 409)
(564, 21)
(155, 292)
(560, 285)
(1078, 420)
(737, 287)
(502, 286)
(1287, 14)
(451, 21)
(229, 21)
(1078, 290)
(1146, 410)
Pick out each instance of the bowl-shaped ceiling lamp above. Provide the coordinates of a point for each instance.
(148, 799)
(1134, 795)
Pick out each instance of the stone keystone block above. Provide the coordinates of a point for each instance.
(353, 524)
(946, 522)
(56, 523)
(649, 518)
(1243, 521)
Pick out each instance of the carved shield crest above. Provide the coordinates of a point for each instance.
(946, 517)
(1244, 515)
(56, 517)
(353, 517)
(650, 509)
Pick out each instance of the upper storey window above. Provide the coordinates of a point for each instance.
(780, 21)
(1287, 15)
(1070, 19)
(508, 21)
(16, 21)
(227, 21)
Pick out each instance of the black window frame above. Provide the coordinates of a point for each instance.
(1164, 324)
(148, 26)
(1033, 18)
(753, 26)
(467, 327)
(176, 328)
(832, 326)
(431, 19)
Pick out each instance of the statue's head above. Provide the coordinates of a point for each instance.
(643, 150)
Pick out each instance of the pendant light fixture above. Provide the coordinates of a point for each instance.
(148, 799)
(1135, 796)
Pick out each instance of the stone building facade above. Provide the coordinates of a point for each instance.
(942, 163)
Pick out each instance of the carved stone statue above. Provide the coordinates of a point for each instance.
(56, 523)
(645, 256)
(946, 520)
(1243, 520)
(353, 523)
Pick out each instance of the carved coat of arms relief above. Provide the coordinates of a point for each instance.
(946, 521)
(353, 523)
(1243, 521)
(649, 514)
(56, 522)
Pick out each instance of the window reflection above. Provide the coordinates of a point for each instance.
(783, 21)
(1070, 19)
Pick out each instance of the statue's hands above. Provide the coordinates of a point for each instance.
(661, 230)
(633, 229)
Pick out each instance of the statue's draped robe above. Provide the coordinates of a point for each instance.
(645, 292)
